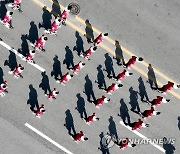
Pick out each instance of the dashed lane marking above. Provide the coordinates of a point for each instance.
(143, 137)
(20, 55)
(47, 138)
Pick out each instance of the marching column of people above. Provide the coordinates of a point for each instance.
(39, 45)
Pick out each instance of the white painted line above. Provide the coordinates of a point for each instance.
(143, 137)
(47, 138)
(20, 55)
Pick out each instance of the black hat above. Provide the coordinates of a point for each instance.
(140, 59)
(10, 13)
(69, 7)
(94, 48)
(22, 68)
(120, 85)
(105, 34)
(45, 38)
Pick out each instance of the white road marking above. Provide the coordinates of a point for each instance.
(20, 55)
(47, 138)
(143, 137)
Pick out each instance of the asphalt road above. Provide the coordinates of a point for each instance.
(147, 29)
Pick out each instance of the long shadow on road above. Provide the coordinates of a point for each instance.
(169, 148)
(1, 75)
(89, 32)
(88, 89)
(33, 32)
(134, 100)
(69, 58)
(46, 17)
(12, 61)
(33, 101)
(112, 128)
(56, 72)
(81, 106)
(100, 78)
(102, 147)
(124, 112)
(3, 10)
(69, 122)
(45, 83)
(109, 65)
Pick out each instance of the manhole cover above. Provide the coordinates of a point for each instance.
(75, 8)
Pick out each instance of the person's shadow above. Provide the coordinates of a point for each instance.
(103, 147)
(45, 83)
(134, 100)
(124, 112)
(24, 50)
(12, 61)
(142, 90)
(1, 75)
(33, 101)
(89, 32)
(112, 128)
(69, 123)
(81, 106)
(88, 89)
(56, 72)
(46, 17)
(152, 77)
(118, 54)
(79, 44)
(109, 65)
(33, 32)
(168, 146)
(56, 7)
(179, 122)
(100, 78)
(69, 58)
(3, 10)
